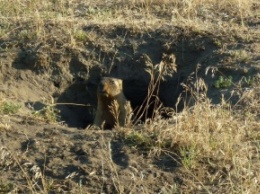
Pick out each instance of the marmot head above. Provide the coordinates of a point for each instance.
(110, 87)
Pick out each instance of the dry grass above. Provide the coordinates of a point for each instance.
(201, 15)
(216, 145)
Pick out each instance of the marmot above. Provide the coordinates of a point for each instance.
(112, 108)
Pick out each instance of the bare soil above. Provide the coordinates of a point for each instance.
(74, 160)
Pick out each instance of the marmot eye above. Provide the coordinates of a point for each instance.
(112, 81)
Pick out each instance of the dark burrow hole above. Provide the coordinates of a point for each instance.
(134, 90)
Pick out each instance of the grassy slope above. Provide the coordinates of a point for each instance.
(218, 146)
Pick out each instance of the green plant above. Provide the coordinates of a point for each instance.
(6, 187)
(148, 141)
(240, 55)
(223, 82)
(49, 113)
(81, 35)
(139, 139)
(9, 108)
(24, 35)
(217, 42)
(188, 155)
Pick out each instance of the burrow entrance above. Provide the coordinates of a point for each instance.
(72, 75)
(130, 56)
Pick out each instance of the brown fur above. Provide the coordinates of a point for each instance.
(111, 97)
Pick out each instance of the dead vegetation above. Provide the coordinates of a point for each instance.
(53, 48)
